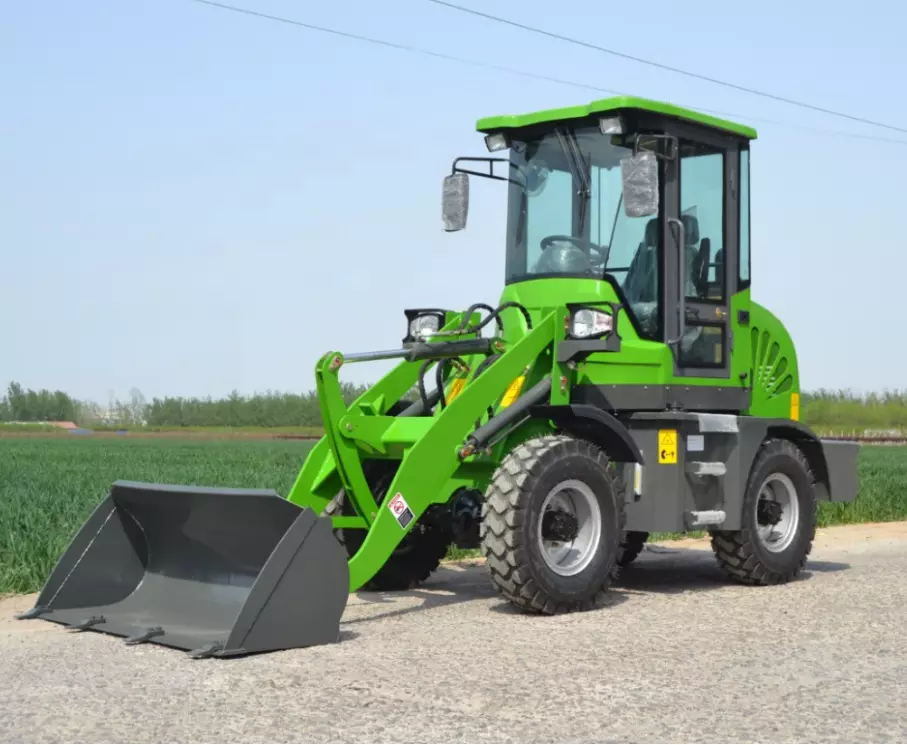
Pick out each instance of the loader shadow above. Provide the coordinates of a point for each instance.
(657, 570)
(678, 570)
(614, 597)
(447, 586)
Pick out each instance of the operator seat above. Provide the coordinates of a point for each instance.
(641, 286)
(700, 273)
(697, 255)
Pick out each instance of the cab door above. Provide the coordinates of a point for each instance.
(701, 232)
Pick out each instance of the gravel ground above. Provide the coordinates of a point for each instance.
(679, 655)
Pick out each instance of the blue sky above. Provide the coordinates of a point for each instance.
(195, 201)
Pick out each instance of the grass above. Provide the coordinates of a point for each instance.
(212, 430)
(49, 485)
(19, 427)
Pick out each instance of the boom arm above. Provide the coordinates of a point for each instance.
(428, 446)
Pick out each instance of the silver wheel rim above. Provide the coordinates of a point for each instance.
(778, 488)
(567, 558)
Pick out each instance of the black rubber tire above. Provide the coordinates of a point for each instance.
(740, 553)
(631, 546)
(510, 517)
(418, 554)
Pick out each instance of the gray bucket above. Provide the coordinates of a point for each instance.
(218, 572)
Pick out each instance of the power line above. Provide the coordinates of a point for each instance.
(661, 66)
(401, 47)
(510, 70)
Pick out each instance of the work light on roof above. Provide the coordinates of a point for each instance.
(611, 125)
(496, 141)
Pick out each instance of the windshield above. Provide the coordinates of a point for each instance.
(566, 217)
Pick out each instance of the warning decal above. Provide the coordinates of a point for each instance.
(667, 446)
(400, 509)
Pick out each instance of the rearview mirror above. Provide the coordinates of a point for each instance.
(455, 201)
(639, 173)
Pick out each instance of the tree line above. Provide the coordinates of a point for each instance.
(21, 405)
(824, 409)
(269, 409)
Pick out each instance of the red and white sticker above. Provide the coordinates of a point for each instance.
(400, 510)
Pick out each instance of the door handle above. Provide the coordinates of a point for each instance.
(681, 279)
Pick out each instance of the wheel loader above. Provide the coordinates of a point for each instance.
(624, 383)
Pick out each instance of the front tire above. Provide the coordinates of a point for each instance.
(552, 523)
(419, 553)
(779, 519)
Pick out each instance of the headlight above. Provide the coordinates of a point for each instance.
(588, 323)
(422, 326)
(423, 322)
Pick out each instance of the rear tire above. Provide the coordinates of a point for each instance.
(631, 546)
(552, 522)
(779, 519)
(419, 553)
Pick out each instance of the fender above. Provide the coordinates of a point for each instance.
(594, 424)
(836, 477)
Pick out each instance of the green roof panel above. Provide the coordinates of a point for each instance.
(604, 105)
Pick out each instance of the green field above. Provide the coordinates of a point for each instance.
(49, 485)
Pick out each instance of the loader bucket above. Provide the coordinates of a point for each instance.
(218, 572)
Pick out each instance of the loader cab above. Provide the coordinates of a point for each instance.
(674, 270)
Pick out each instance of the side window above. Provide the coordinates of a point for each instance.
(702, 212)
(744, 218)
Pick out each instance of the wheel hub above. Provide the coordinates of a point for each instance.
(769, 512)
(777, 512)
(569, 528)
(559, 525)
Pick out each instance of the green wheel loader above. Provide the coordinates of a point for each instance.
(624, 383)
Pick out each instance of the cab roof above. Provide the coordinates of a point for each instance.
(607, 105)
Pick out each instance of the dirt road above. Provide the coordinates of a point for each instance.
(679, 654)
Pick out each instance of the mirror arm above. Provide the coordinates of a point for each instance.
(681, 278)
(670, 139)
(455, 168)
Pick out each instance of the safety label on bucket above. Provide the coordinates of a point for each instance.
(400, 509)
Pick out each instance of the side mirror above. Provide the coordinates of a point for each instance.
(455, 201)
(640, 183)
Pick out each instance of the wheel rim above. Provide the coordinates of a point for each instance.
(569, 557)
(777, 512)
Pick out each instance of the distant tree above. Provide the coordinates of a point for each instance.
(138, 407)
(23, 405)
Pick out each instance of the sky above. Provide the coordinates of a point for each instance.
(194, 201)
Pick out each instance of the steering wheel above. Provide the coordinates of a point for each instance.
(597, 254)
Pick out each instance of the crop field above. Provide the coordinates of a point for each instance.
(49, 485)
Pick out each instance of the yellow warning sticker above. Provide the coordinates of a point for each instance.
(795, 406)
(667, 446)
(456, 388)
(513, 391)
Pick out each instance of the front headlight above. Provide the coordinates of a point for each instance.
(423, 326)
(588, 323)
(423, 322)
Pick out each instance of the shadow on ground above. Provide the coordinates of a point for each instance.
(449, 585)
(678, 570)
(658, 569)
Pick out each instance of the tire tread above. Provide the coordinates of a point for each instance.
(736, 550)
(503, 514)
